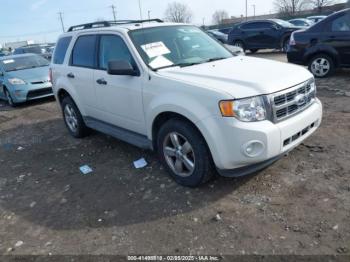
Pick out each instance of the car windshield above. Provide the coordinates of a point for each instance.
(23, 62)
(283, 23)
(162, 47)
(34, 50)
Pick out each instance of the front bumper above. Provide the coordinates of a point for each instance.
(24, 93)
(228, 139)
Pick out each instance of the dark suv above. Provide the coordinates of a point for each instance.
(324, 46)
(262, 34)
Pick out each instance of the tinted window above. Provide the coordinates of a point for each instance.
(61, 50)
(23, 62)
(341, 24)
(258, 25)
(113, 48)
(84, 51)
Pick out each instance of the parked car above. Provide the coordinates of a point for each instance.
(324, 46)
(24, 78)
(218, 35)
(172, 88)
(262, 34)
(34, 49)
(317, 18)
(302, 22)
(225, 30)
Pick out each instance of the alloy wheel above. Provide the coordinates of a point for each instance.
(9, 98)
(71, 118)
(320, 67)
(179, 154)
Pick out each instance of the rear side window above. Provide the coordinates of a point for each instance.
(341, 24)
(61, 50)
(84, 52)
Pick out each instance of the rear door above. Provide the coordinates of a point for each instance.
(80, 71)
(338, 35)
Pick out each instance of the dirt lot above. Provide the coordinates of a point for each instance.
(300, 205)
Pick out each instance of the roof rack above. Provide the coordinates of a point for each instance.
(110, 23)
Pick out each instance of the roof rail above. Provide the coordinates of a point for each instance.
(110, 23)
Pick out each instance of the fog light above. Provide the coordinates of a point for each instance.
(253, 148)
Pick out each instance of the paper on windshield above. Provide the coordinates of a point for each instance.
(9, 61)
(155, 49)
(160, 61)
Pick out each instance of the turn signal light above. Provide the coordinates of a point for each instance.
(226, 108)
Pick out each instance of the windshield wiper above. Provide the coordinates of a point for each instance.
(180, 65)
(215, 59)
(193, 63)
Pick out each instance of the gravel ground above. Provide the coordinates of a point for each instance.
(300, 205)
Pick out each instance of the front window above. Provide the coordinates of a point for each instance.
(23, 62)
(170, 46)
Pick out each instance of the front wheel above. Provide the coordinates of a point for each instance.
(9, 98)
(285, 45)
(253, 51)
(184, 153)
(321, 65)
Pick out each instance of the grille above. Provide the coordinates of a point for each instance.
(39, 92)
(299, 134)
(292, 101)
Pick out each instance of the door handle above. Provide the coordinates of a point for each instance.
(70, 75)
(101, 81)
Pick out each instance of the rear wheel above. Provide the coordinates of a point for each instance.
(73, 118)
(9, 98)
(240, 44)
(184, 153)
(321, 65)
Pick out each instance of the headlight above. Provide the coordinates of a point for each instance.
(246, 110)
(16, 81)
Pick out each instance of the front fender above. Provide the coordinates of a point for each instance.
(183, 105)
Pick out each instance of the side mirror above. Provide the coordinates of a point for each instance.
(276, 27)
(121, 67)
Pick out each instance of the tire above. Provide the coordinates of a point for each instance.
(195, 151)
(240, 44)
(321, 66)
(9, 98)
(73, 118)
(285, 45)
(253, 51)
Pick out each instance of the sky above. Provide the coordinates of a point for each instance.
(38, 20)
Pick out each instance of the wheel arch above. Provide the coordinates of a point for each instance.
(322, 51)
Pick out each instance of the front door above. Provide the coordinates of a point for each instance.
(119, 98)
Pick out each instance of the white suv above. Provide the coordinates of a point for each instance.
(174, 89)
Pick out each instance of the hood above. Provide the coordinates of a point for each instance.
(31, 75)
(241, 76)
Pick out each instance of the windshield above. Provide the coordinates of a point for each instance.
(162, 47)
(283, 23)
(23, 62)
